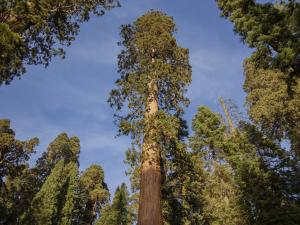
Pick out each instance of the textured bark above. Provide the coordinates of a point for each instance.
(150, 211)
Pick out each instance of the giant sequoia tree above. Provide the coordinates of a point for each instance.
(33, 31)
(272, 72)
(154, 72)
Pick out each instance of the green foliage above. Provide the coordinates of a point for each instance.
(182, 188)
(61, 148)
(68, 217)
(33, 31)
(274, 100)
(272, 28)
(53, 203)
(222, 202)
(118, 213)
(152, 63)
(16, 180)
(51, 192)
(248, 173)
(272, 72)
(150, 54)
(95, 194)
(14, 154)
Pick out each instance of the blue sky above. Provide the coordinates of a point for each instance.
(70, 95)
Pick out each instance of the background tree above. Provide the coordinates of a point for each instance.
(51, 191)
(118, 213)
(249, 172)
(53, 204)
(272, 72)
(32, 32)
(16, 181)
(95, 194)
(61, 148)
(222, 198)
(183, 200)
(154, 74)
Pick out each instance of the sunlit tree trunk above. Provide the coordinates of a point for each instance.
(150, 211)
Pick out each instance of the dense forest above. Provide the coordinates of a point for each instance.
(227, 169)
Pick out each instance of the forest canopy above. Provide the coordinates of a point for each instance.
(219, 167)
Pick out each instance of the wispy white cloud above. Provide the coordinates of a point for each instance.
(215, 73)
(103, 51)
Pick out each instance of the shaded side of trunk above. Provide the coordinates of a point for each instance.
(150, 211)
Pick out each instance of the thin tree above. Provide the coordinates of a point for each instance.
(154, 74)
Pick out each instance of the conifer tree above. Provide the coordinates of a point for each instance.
(32, 31)
(68, 215)
(16, 180)
(259, 169)
(61, 148)
(154, 74)
(183, 199)
(14, 154)
(272, 71)
(54, 203)
(94, 195)
(222, 199)
(118, 213)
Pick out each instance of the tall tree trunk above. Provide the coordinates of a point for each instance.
(150, 211)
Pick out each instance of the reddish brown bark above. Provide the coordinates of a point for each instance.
(150, 211)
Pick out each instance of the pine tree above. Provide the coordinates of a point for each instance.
(32, 32)
(118, 213)
(154, 74)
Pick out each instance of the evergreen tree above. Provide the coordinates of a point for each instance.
(268, 175)
(61, 148)
(94, 195)
(118, 213)
(52, 191)
(32, 31)
(222, 198)
(68, 216)
(255, 174)
(154, 74)
(53, 204)
(272, 28)
(183, 188)
(16, 180)
(14, 154)
(272, 72)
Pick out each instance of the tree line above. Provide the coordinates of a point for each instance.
(229, 170)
